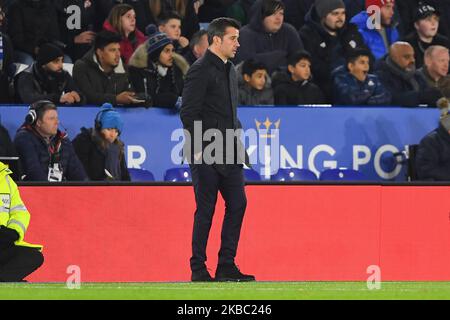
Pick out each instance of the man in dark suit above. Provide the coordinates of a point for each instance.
(210, 98)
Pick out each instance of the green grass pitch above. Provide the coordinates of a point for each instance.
(227, 291)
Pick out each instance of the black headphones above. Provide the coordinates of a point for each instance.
(34, 109)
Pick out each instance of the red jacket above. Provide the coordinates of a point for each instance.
(127, 45)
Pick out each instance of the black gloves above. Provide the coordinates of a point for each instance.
(430, 96)
(8, 236)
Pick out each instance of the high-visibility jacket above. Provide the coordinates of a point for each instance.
(13, 213)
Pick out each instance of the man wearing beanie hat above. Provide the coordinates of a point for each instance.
(267, 38)
(157, 71)
(45, 79)
(99, 148)
(377, 26)
(433, 152)
(328, 38)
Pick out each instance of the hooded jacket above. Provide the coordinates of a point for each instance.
(290, 92)
(98, 86)
(32, 23)
(164, 90)
(270, 48)
(35, 84)
(350, 91)
(372, 37)
(127, 45)
(433, 156)
(327, 52)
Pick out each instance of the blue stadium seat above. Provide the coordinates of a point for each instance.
(293, 174)
(141, 175)
(341, 175)
(178, 175)
(251, 175)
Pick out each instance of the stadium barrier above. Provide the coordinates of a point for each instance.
(290, 233)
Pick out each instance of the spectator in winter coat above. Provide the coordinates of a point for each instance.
(45, 79)
(31, 23)
(99, 148)
(433, 152)
(296, 88)
(170, 24)
(46, 153)
(267, 38)
(6, 62)
(397, 72)
(435, 70)
(197, 46)
(158, 71)
(328, 38)
(101, 75)
(254, 87)
(354, 85)
(378, 35)
(426, 25)
(122, 20)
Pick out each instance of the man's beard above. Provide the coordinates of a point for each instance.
(57, 75)
(333, 29)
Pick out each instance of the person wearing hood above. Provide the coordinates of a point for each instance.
(378, 35)
(122, 20)
(99, 148)
(433, 152)
(45, 79)
(267, 38)
(328, 38)
(295, 87)
(31, 23)
(156, 70)
(397, 72)
(354, 85)
(101, 75)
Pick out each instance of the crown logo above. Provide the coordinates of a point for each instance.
(267, 126)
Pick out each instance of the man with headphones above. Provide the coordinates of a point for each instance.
(46, 153)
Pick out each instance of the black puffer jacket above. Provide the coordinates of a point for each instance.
(87, 145)
(31, 23)
(433, 156)
(290, 92)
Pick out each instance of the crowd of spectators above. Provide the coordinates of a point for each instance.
(292, 52)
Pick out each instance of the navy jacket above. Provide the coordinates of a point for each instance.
(433, 156)
(350, 91)
(35, 156)
(270, 48)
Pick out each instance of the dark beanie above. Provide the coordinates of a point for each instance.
(47, 53)
(324, 7)
(156, 42)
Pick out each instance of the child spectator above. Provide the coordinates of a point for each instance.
(353, 85)
(296, 88)
(122, 20)
(170, 24)
(99, 148)
(158, 71)
(254, 89)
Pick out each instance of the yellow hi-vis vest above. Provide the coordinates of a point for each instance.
(13, 213)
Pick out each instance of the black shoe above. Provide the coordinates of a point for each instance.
(230, 272)
(201, 275)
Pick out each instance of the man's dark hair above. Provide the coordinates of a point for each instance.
(269, 7)
(354, 54)
(218, 26)
(251, 65)
(104, 38)
(164, 17)
(295, 58)
(196, 38)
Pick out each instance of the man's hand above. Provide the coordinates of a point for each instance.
(184, 42)
(67, 98)
(125, 97)
(85, 37)
(75, 96)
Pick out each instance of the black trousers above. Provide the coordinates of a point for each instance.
(207, 182)
(17, 262)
